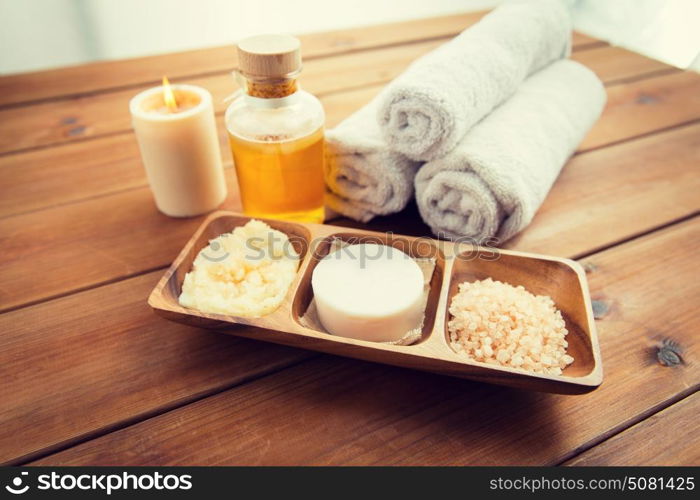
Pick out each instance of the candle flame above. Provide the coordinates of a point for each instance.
(168, 95)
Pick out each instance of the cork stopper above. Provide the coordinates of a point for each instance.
(269, 56)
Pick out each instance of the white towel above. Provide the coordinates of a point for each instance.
(429, 108)
(364, 178)
(497, 177)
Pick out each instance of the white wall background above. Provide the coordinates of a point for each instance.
(38, 34)
(41, 34)
(668, 30)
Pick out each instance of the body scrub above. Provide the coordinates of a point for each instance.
(243, 273)
(494, 322)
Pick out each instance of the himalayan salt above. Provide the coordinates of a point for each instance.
(497, 323)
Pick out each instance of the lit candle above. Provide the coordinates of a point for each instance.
(176, 132)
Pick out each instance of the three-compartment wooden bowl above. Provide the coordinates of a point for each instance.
(562, 279)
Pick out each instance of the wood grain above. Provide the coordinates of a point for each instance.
(105, 75)
(573, 226)
(86, 363)
(90, 116)
(96, 241)
(670, 437)
(615, 64)
(76, 171)
(80, 245)
(333, 411)
(602, 194)
(95, 115)
(646, 106)
(104, 165)
(633, 108)
(82, 366)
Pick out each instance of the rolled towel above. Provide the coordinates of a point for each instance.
(429, 108)
(363, 176)
(497, 177)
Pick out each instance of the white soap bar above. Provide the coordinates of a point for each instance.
(369, 292)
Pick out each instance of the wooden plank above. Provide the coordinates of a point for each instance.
(634, 108)
(334, 411)
(105, 165)
(75, 246)
(615, 64)
(602, 197)
(90, 116)
(75, 171)
(105, 75)
(620, 190)
(563, 227)
(670, 437)
(646, 106)
(86, 363)
(580, 40)
(102, 114)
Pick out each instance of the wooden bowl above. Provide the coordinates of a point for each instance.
(562, 279)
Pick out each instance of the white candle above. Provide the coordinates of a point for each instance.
(180, 149)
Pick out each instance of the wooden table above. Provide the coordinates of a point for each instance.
(91, 376)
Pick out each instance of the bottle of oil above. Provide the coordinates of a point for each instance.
(276, 133)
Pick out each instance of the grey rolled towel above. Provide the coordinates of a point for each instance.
(428, 108)
(364, 178)
(495, 180)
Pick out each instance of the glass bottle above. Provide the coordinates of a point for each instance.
(275, 131)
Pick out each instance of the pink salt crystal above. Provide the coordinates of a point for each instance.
(508, 325)
(502, 356)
